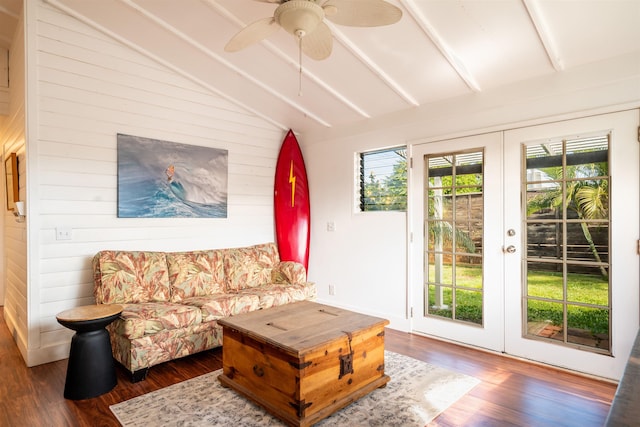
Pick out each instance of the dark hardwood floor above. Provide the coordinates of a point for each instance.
(512, 392)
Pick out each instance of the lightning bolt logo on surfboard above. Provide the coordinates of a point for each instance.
(292, 181)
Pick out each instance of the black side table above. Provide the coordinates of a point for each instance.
(91, 369)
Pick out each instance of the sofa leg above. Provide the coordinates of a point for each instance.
(139, 375)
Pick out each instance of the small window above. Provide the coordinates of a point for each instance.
(382, 180)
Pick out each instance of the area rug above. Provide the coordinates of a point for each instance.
(415, 395)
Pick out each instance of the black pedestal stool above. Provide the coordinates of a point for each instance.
(91, 369)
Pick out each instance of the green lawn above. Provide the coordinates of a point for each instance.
(581, 288)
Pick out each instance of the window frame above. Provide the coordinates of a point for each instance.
(360, 179)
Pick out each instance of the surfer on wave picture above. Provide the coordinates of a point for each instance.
(194, 187)
(161, 179)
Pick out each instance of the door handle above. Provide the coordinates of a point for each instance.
(510, 249)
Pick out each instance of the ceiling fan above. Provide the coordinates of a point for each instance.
(305, 20)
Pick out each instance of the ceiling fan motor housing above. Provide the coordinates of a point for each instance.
(299, 17)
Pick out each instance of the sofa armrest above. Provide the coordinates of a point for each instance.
(290, 272)
(97, 279)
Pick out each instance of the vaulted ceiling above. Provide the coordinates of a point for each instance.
(440, 49)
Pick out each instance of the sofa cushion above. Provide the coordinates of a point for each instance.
(214, 307)
(250, 267)
(275, 295)
(289, 272)
(131, 277)
(138, 320)
(195, 273)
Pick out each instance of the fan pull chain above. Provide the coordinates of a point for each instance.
(300, 63)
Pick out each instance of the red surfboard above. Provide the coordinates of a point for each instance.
(291, 203)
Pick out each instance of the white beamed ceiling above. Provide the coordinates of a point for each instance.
(440, 49)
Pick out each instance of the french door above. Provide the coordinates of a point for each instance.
(457, 229)
(525, 241)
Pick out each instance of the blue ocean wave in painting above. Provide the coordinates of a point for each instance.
(165, 182)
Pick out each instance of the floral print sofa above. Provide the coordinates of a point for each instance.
(172, 300)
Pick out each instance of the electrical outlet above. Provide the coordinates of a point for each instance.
(63, 233)
(332, 290)
(331, 226)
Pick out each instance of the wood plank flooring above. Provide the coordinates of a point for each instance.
(512, 392)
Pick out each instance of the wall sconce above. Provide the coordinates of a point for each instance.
(19, 212)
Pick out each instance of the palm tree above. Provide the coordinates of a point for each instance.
(587, 195)
(441, 232)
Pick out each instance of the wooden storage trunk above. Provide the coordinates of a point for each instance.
(303, 361)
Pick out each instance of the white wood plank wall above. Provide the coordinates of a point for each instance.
(14, 293)
(89, 88)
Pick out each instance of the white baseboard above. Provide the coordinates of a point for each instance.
(38, 356)
(48, 354)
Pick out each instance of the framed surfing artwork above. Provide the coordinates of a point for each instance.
(163, 179)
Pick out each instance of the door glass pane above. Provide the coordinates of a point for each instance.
(544, 239)
(440, 301)
(442, 275)
(588, 241)
(440, 205)
(547, 283)
(468, 271)
(587, 285)
(544, 320)
(469, 305)
(588, 326)
(454, 212)
(567, 283)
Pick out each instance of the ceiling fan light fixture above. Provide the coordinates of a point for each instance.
(329, 10)
(299, 17)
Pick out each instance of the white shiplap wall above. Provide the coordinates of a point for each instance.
(89, 87)
(14, 294)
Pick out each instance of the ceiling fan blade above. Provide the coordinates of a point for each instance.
(252, 33)
(268, 1)
(318, 44)
(362, 13)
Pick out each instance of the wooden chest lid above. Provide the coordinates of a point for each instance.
(302, 326)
